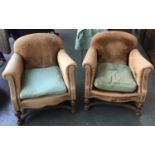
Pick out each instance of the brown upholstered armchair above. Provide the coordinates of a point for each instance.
(113, 49)
(40, 73)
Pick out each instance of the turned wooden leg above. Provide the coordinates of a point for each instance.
(73, 106)
(86, 104)
(139, 107)
(19, 118)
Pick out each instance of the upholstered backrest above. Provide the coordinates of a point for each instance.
(39, 49)
(114, 46)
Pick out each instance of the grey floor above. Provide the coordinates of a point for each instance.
(104, 115)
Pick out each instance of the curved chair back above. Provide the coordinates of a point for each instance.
(39, 49)
(114, 46)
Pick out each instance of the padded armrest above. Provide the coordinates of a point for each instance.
(89, 64)
(14, 69)
(67, 67)
(90, 58)
(141, 69)
(138, 64)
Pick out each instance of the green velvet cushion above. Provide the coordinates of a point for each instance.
(114, 77)
(42, 81)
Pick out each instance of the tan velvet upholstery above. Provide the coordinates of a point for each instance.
(36, 51)
(114, 46)
(121, 48)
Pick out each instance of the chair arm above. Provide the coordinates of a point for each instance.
(13, 73)
(14, 69)
(141, 69)
(90, 58)
(89, 64)
(67, 67)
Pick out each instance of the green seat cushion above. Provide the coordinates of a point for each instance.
(42, 81)
(114, 77)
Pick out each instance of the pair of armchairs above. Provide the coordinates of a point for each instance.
(40, 72)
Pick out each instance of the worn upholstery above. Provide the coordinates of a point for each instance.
(38, 50)
(35, 51)
(118, 48)
(114, 46)
(114, 77)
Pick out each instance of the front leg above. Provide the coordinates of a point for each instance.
(139, 107)
(86, 104)
(19, 118)
(73, 106)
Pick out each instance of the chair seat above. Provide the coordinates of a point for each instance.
(42, 81)
(114, 77)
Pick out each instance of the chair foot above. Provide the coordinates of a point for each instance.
(139, 107)
(20, 121)
(73, 106)
(86, 104)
